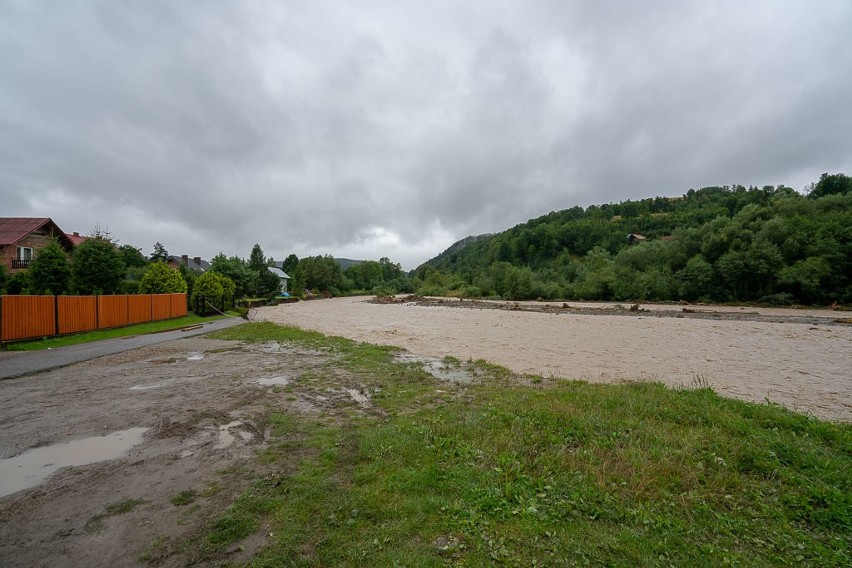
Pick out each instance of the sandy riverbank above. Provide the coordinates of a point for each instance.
(804, 366)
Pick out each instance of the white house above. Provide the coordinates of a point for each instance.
(282, 277)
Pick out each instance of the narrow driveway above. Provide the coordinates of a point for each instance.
(18, 363)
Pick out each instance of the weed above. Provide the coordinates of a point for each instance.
(96, 523)
(185, 497)
(122, 507)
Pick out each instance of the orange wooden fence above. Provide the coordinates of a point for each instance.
(25, 317)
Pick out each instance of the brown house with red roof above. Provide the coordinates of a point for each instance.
(21, 237)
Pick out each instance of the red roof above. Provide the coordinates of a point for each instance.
(76, 238)
(13, 229)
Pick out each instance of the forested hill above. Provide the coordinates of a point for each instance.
(769, 244)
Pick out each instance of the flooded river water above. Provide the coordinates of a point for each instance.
(799, 358)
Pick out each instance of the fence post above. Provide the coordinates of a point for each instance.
(56, 316)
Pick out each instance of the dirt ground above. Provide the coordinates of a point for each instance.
(801, 359)
(203, 405)
(200, 406)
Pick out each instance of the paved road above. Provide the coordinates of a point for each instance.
(18, 363)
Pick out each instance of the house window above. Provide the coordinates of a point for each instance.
(24, 256)
(25, 253)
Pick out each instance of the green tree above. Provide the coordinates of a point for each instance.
(237, 270)
(96, 266)
(265, 282)
(834, 184)
(49, 272)
(320, 273)
(160, 253)
(289, 265)
(805, 279)
(211, 289)
(2, 277)
(257, 261)
(160, 279)
(132, 256)
(207, 291)
(695, 279)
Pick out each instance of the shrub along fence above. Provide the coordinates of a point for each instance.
(27, 317)
(208, 305)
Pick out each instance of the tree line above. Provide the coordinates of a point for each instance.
(716, 244)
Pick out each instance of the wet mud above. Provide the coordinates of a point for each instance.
(91, 455)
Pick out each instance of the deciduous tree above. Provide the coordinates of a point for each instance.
(160, 279)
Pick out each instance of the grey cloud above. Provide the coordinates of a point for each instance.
(402, 126)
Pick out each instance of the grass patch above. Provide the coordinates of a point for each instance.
(185, 497)
(570, 473)
(96, 523)
(88, 337)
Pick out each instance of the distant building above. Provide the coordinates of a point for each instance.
(283, 279)
(76, 238)
(194, 263)
(635, 238)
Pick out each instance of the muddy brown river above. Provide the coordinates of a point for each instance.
(801, 359)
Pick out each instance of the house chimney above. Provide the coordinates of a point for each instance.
(197, 260)
(76, 234)
(184, 258)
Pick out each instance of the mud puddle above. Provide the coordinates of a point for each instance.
(228, 434)
(273, 381)
(35, 466)
(438, 368)
(357, 396)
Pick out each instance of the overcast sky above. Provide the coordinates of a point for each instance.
(393, 127)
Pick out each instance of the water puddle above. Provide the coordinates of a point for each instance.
(195, 357)
(438, 368)
(357, 396)
(274, 381)
(228, 433)
(271, 347)
(33, 467)
(145, 387)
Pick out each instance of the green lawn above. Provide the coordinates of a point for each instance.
(139, 329)
(527, 471)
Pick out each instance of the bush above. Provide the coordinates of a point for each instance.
(210, 290)
(781, 299)
(471, 292)
(383, 290)
(160, 279)
(18, 283)
(129, 287)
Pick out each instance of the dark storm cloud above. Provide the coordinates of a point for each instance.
(393, 128)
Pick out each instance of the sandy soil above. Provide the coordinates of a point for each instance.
(798, 358)
(201, 406)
